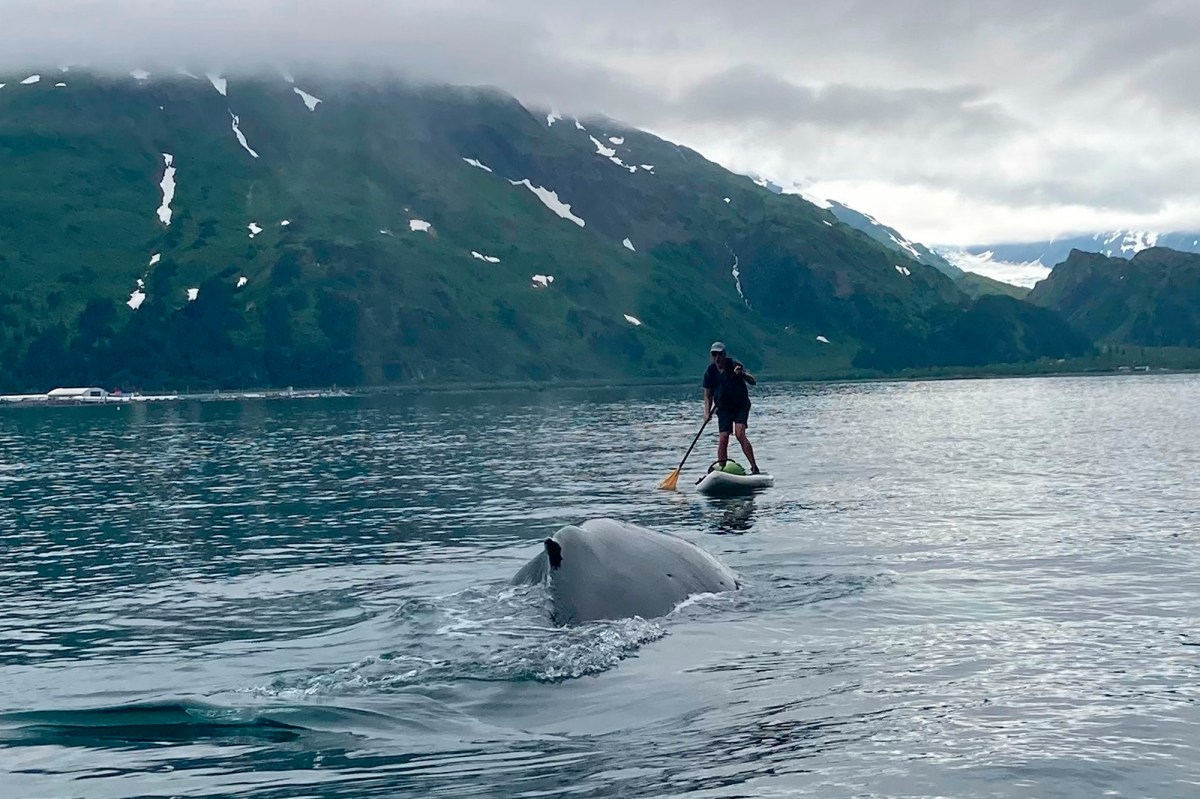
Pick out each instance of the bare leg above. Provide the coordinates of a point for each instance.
(723, 448)
(739, 430)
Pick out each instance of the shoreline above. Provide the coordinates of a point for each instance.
(533, 386)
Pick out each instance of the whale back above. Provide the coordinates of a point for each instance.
(605, 569)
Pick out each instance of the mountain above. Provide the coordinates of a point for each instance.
(887, 236)
(1115, 243)
(975, 285)
(892, 239)
(223, 231)
(1152, 299)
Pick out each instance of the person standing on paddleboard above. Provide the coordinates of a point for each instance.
(725, 389)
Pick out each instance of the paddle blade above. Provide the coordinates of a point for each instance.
(668, 484)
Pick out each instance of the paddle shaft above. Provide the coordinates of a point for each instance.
(694, 440)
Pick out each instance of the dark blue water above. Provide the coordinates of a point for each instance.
(967, 589)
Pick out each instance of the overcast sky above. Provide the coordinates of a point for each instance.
(955, 122)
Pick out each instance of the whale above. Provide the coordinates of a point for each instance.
(609, 569)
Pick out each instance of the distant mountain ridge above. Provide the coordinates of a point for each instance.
(1115, 243)
(1151, 299)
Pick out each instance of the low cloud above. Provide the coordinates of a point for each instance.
(1026, 115)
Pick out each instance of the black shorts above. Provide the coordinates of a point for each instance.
(727, 417)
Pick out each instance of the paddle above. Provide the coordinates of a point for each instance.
(668, 484)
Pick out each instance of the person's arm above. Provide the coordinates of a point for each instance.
(749, 378)
(707, 404)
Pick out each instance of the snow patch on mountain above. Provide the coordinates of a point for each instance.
(617, 139)
(192, 294)
(610, 154)
(219, 83)
(542, 281)
(155, 258)
(140, 75)
(737, 279)
(550, 200)
(416, 225)
(491, 259)
(136, 299)
(308, 99)
(629, 245)
(60, 85)
(167, 184)
(904, 270)
(242, 281)
(478, 164)
(32, 79)
(552, 117)
(240, 136)
(254, 229)
(633, 320)
(1129, 241)
(822, 339)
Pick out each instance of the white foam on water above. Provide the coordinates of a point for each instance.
(168, 189)
(308, 99)
(629, 245)
(140, 74)
(285, 223)
(219, 83)
(418, 224)
(551, 201)
(542, 281)
(155, 258)
(617, 139)
(242, 281)
(478, 165)
(903, 270)
(822, 339)
(633, 320)
(491, 259)
(32, 79)
(136, 298)
(193, 294)
(254, 229)
(240, 137)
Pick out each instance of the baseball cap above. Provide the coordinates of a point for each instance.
(717, 347)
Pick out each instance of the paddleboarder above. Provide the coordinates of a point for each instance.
(725, 390)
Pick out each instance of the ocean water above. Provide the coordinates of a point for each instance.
(955, 589)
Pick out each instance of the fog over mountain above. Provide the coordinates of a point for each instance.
(954, 124)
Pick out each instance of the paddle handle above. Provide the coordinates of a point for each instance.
(694, 440)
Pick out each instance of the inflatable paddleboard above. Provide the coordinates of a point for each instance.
(719, 484)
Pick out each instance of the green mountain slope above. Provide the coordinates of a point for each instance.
(397, 233)
(976, 285)
(1151, 300)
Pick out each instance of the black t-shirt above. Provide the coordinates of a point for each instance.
(729, 390)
